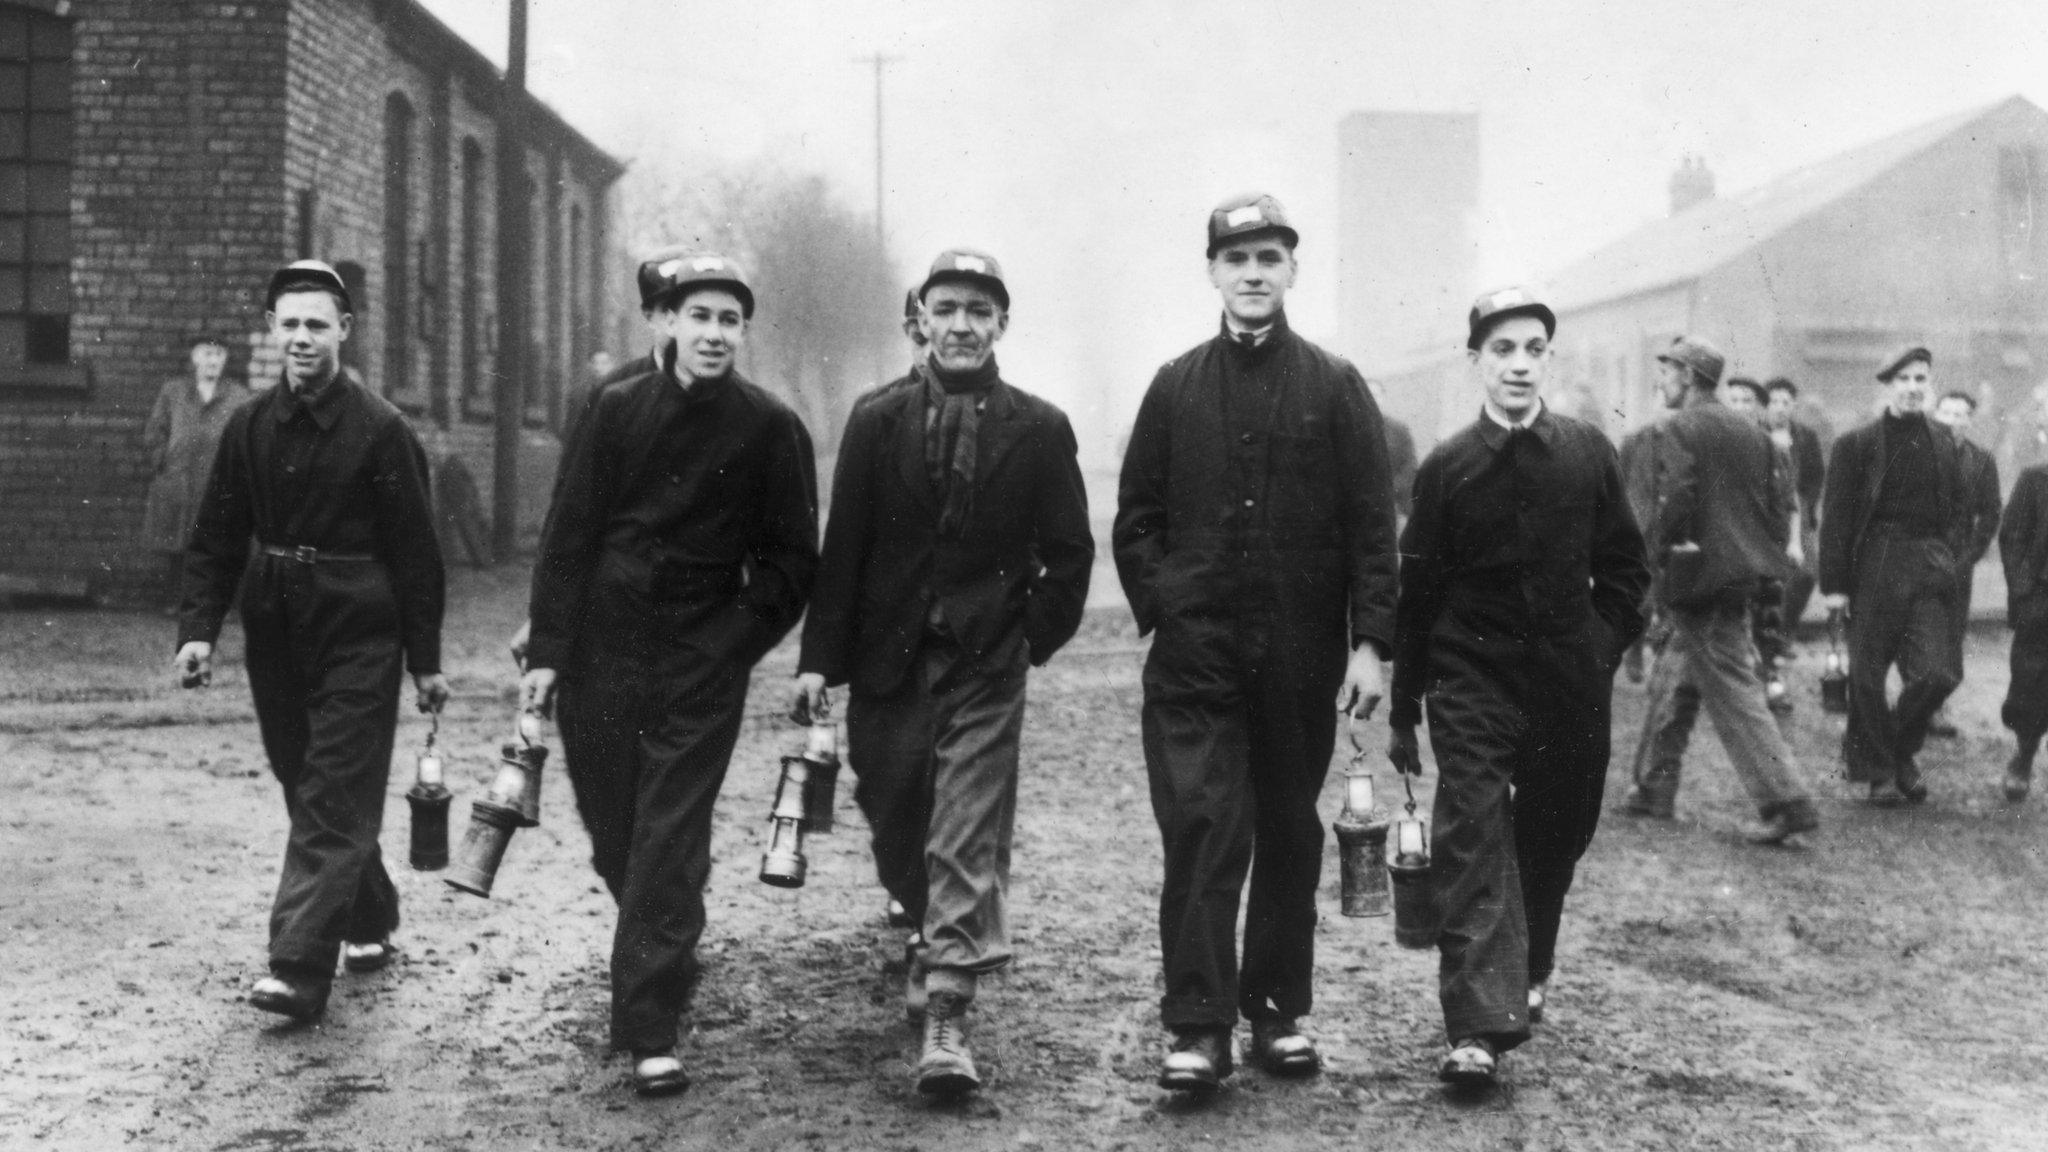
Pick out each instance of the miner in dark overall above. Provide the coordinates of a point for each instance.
(1255, 534)
(1890, 547)
(2023, 549)
(1522, 581)
(956, 556)
(679, 549)
(317, 508)
(1978, 471)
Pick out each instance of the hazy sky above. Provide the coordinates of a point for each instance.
(1083, 141)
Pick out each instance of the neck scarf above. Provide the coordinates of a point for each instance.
(952, 434)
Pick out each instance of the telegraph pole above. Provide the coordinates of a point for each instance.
(509, 404)
(879, 61)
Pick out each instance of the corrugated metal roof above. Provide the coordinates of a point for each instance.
(1684, 247)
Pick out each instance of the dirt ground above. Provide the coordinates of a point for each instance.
(1884, 988)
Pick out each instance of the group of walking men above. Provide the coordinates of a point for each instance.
(1255, 537)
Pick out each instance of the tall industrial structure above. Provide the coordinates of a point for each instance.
(1407, 256)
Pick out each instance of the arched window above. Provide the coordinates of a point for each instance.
(398, 132)
(476, 396)
(35, 189)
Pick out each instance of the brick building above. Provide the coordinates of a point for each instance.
(159, 157)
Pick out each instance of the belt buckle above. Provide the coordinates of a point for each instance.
(305, 553)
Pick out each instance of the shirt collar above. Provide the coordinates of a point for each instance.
(1233, 330)
(1494, 427)
(665, 356)
(324, 406)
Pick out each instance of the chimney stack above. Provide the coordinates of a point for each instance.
(1691, 184)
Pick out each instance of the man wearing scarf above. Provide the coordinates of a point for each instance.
(956, 555)
(1255, 532)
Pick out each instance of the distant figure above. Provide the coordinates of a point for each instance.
(1888, 555)
(1639, 484)
(1723, 512)
(181, 438)
(1401, 459)
(1801, 444)
(1981, 506)
(2023, 548)
(1745, 396)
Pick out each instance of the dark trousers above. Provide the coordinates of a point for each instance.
(1521, 743)
(936, 762)
(1902, 612)
(2026, 697)
(1236, 751)
(324, 669)
(646, 736)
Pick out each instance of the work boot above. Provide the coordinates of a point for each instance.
(1910, 785)
(1940, 726)
(1199, 1061)
(368, 956)
(1472, 1063)
(1539, 995)
(2019, 773)
(1788, 821)
(947, 1067)
(302, 1000)
(1642, 803)
(915, 998)
(1281, 1049)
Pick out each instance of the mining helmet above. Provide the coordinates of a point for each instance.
(1253, 214)
(1698, 357)
(969, 266)
(1499, 305)
(314, 274)
(672, 273)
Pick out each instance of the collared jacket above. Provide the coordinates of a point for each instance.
(682, 517)
(181, 440)
(1510, 554)
(1256, 486)
(341, 474)
(1981, 502)
(1856, 470)
(2023, 540)
(1722, 484)
(1019, 565)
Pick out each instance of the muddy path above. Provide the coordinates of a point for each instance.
(1885, 987)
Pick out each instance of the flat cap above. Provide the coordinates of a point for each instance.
(1499, 305)
(970, 266)
(673, 273)
(1903, 357)
(1702, 359)
(1253, 214)
(306, 273)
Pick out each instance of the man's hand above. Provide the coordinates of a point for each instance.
(1796, 550)
(1404, 751)
(812, 702)
(537, 691)
(432, 688)
(1363, 684)
(518, 644)
(195, 664)
(1835, 602)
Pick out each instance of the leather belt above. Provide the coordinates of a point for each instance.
(307, 554)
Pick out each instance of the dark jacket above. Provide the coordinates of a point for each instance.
(1722, 484)
(1507, 557)
(1256, 483)
(1022, 557)
(1855, 477)
(342, 474)
(2023, 540)
(1401, 462)
(691, 514)
(1809, 470)
(1981, 503)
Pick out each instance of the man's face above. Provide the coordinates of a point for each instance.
(1673, 381)
(309, 327)
(1253, 277)
(1954, 412)
(1779, 414)
(962, 322)
(1511, 362)
(1739, 400)
(1906, 391)
(209, 360)
(708, 326)
(601, 364)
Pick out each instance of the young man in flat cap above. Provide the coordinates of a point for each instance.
(1889, 554)
(679, 548)
(1522, 581)
(1981, 507)
(1255, 534)
(317, 509)
(957, 556)
(1723, 504)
